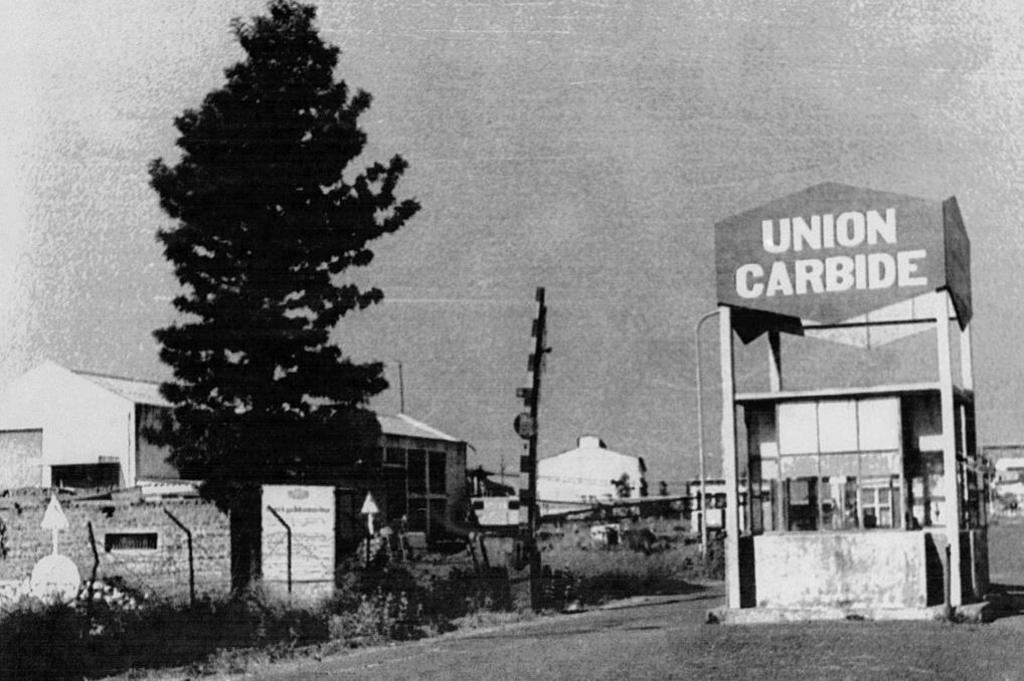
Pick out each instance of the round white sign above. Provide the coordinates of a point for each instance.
(55, 577)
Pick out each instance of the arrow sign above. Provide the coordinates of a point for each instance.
(54, 520)
(369, 506)
(369, 510)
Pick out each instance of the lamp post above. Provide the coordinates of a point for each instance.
(700, 436)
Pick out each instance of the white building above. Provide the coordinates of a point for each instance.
(67, 428)
(585, 475)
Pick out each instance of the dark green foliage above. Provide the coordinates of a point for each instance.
(40, 641)
(59, 641)
(267, 222)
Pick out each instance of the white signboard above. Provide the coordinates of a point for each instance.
(309, 511)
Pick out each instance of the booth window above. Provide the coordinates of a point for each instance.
(839, 464)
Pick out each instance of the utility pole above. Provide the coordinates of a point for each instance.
(401, 390)
(525, 569)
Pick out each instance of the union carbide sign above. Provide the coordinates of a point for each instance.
(832, 252)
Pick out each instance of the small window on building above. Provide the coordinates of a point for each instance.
(394, 456)
(87, 476)
(130, 541)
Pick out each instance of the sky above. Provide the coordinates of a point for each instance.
(585, 146)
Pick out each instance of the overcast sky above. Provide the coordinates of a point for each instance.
(584, 146)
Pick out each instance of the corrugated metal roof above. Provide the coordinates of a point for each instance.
(148, 392)
(140, 392)
(404, 425)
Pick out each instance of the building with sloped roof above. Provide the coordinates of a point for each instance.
(63, 428)
(80, 430)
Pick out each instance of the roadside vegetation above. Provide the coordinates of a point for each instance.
(83, 639)
(120, 629)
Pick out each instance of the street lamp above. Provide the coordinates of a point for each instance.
(700, 437)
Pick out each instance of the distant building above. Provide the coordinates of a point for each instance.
(588, 474)
(1006, 468)
(714, 504)
(493, 504)
(424, 473)
(73, 429)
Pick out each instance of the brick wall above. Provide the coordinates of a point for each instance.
(136, 541)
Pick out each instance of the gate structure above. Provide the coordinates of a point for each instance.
(865, 490)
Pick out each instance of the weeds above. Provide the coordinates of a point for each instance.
(112, 628)
(63, 641)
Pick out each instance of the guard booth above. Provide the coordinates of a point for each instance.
(848, 408)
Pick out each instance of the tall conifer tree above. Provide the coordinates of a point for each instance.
(266, 223)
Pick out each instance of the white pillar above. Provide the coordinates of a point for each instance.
(966, 358)
(949, 465)
(729, 469)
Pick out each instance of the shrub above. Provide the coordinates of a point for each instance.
(59, 641)
(397, 604)
(714, 561)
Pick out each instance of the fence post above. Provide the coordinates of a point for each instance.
(287, 529)
(95, 567)
(191, 562)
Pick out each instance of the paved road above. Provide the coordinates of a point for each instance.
(665, 638)
(599, 644)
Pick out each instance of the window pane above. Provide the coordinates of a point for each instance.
(417, 468)
(394, 456)
(438, 516)
(798, 428)
(417, 515)
(837, 425)
(437, 472)
(879, 423)
(799, 466)
(802, 504)
(876, 502)
(880, 464)
(769, 469)
(839, 465)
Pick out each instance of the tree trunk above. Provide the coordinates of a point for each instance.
(246, 539)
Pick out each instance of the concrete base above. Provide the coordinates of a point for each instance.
(975, 613)
(725, 615)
